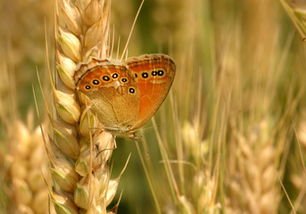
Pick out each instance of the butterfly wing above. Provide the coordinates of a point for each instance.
(113, 94)
(154, 74)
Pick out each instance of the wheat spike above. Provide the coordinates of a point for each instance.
(202, 194)
(79, 151)
(253, 173)
(298, 172)
(192, 184)
(253, 178)
(26, 163)
(24, 159)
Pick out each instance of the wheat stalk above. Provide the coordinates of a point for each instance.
(296, 10)
(255, 141)
(185, 154)
(79, 151)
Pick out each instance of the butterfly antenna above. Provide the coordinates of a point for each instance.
(132, 29)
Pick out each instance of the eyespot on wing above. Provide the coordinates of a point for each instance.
(152, 67)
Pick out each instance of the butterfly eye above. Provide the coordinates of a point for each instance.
(145, 75)
(132, 90)
(106, 78)
(87, 87)
(96, 82)
(160, 72)
(124, 80)
(154, 73)
(115, 75)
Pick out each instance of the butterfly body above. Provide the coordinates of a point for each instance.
(125, 95)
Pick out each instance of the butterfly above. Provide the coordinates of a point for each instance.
(125, 95)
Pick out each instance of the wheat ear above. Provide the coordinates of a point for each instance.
(79, 152)
(23, 158)
(254, 177)
(298, 174)
(26, 161)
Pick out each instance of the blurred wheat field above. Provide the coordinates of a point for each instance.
(230, 137)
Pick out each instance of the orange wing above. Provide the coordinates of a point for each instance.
(154, 75)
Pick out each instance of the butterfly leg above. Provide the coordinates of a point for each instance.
(135, 136)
